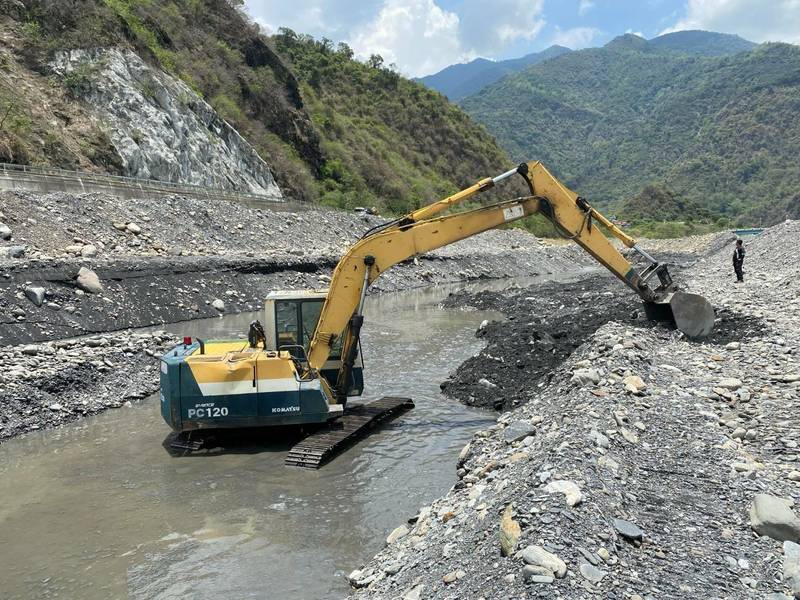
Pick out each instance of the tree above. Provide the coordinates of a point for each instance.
(375, 61)
(345, 51)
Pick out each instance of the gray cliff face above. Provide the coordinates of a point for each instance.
(160, 127)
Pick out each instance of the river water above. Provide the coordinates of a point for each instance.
(99, 509)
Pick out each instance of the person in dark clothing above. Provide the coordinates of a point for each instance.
(738, 261)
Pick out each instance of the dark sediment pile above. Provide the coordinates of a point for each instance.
(543, 325)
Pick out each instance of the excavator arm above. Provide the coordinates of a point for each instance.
(422, 231)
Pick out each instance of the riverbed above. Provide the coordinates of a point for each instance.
(100, 509)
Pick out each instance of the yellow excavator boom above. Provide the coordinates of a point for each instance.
(422, 231)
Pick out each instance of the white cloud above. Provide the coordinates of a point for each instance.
(576, 38)
(489, 27)
(329, 18)
(417, 35)
(422, 38)
(585, 6)
(763, 21)
(636, 33)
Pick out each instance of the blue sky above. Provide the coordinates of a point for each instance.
(423, 36)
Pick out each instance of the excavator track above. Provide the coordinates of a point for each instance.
(321, 446)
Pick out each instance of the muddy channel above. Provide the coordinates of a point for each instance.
(100, 509)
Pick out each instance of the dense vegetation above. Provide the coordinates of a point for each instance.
(332, 128)
(658, 212)
(384, 136)
(722, 132)
(462, 80)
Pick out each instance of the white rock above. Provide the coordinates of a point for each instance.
(586, 376)
(397, 533)
(730, 383)
(536, 555)
(486, 383)
(88, 251)
(791, 566)
(219, 305)
(773, 516)
(88, 281)
(570, 489)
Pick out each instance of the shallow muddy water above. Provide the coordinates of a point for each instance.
(99, 509)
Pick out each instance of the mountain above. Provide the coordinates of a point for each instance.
(721, 132)
(134, 87)
(459, 81)
(706, 43)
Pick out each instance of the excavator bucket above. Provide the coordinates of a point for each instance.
(690, 313)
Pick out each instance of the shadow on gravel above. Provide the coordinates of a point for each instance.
(732, 327)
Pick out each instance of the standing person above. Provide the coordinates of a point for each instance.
(738, 261)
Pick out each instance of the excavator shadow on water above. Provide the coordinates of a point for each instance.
(300, 367)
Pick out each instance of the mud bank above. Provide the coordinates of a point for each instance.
(544, 325)
(642, 466)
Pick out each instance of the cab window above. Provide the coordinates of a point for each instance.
(310, 312)
(286, 323)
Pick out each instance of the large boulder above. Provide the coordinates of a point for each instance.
(5, 230)
(12, 251)
(773, 516)
(35, 294)
(88, 281)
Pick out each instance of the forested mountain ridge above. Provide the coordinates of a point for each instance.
(721, 132)
(462, 80)
(332, 129)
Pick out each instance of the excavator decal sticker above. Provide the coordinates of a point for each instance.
(513, 212)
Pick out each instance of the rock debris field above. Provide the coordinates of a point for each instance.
(641, 466)
(73, 265)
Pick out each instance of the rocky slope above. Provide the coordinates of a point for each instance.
(160, 127)
(643, 466)
(46, 385)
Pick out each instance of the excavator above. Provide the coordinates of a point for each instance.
(302, 364)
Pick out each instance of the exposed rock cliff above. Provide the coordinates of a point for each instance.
(160, 127)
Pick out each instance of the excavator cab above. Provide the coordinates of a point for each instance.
(290, 319)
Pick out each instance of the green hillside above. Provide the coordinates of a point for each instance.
(333, 129)
(721, 132)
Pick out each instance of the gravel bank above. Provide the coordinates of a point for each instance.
(49, 384)
(172, 260)
(634, 468)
